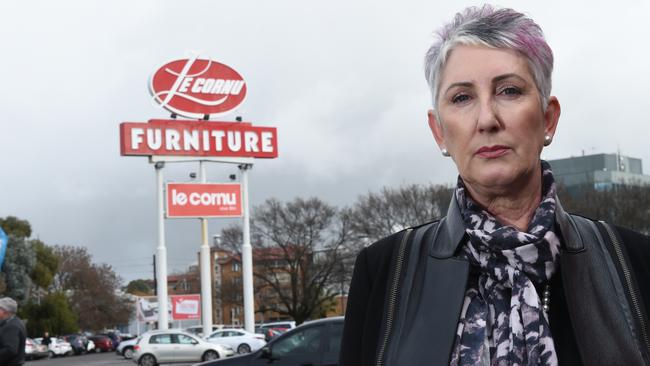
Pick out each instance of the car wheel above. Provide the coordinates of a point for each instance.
(50, 354)
(147, 360)
(69, 353)
(210, 355)
(128, 352)
(243, 348)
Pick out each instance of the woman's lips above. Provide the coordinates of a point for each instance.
(491, 152)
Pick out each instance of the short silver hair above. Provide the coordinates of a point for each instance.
(9, 305)
(495, 28)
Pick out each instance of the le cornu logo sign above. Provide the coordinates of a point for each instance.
(203, 200)
(196, 88)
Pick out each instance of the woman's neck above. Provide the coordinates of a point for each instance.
(514, 206)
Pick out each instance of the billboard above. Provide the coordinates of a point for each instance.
(179, 307)
(197, 138)
(186, 307)
(186, 200)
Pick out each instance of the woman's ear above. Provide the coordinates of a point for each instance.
(436, 129)
(551, 116)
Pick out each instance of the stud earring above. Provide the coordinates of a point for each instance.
(445, 153)
(547, 140)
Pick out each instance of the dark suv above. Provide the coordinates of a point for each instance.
(314, 343)
(78, 342)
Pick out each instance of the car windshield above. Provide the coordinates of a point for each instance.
(303, 341)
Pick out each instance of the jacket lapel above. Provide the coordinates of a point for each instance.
(596, 302)
(430, 309)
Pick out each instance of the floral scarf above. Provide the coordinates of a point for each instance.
(502, 321)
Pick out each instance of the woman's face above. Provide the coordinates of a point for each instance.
(491, 118)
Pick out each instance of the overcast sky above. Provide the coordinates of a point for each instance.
(341, 80)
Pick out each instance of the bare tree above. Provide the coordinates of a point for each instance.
(298, 248)
(91, 289)
(377, 215)
(624, 205)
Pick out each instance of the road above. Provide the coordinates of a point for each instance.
(93, 359)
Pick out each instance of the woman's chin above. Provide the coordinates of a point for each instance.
(500, 179)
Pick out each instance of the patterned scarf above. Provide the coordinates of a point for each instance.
(502, 321)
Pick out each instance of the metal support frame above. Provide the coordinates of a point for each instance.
(245, 164)
(247, 255)
(206, 282)
(161, 252)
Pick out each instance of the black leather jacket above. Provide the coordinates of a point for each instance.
(12, 342)
(407, 291)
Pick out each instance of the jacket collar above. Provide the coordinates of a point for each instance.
(448, 235)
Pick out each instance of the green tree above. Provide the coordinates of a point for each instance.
(139, 287)
(45, 266)
(53, 315)
(20, 260)
(14, 226)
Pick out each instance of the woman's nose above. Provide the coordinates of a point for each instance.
(488, 120)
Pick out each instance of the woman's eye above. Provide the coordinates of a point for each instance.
(460, 98)
(510, 90)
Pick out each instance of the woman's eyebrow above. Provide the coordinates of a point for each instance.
(466, 84)
(496, 79)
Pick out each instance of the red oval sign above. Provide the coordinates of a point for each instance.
(197, 87)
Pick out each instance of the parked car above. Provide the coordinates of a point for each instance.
(169, 346)
(125, 348)
(238, 339)
(58, 347)
(286, 324)
(91, 346)
(115, 338)
(34, 350)
(102, 343)
(197, 330)
(273, 329)
(270, 333)
(315, 343)
(78, 342)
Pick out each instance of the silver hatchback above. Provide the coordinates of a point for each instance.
(169, 346)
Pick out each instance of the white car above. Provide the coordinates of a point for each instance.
(125, 348)
(198, 329)
(173, 345)
(58, 347)
(287, 324)
(238, 339)
(91, 346)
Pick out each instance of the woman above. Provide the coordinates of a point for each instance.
(507, 277)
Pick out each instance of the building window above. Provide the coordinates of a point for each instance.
(235, 266)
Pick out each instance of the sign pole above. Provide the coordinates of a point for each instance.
(161, 252)
(247, 255)
(206, 286)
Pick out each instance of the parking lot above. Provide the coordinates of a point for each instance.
(94, 359)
